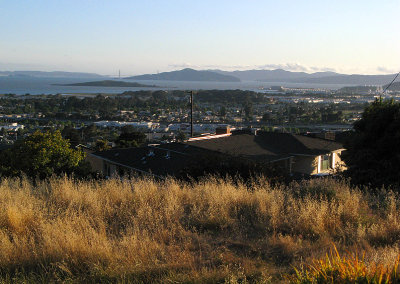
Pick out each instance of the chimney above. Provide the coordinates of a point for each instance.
(330, 135)
(222, 130)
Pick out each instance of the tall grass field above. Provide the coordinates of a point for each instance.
(213, 231)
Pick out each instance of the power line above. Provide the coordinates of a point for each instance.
(391, 83)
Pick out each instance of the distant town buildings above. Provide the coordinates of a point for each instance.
(12, 127)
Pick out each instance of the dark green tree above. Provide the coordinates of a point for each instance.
(130, 137)
(181, 136)
(3, 131)
(102, 145)
(373, 152)
(222, 111)
(266, 117)
(72, 135)
(42, 155)
(248, 109)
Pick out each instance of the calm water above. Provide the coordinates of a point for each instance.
(35, 86)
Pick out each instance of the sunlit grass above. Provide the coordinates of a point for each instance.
(215, 230)
(348, 268)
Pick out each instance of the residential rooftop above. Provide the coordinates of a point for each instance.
(172, 158)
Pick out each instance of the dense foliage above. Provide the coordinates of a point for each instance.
(42, 155)
(60, 106)
(373, 154)
(129, 137)
(150, 104)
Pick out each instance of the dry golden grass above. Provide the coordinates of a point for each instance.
(350, 268)
(215, 230)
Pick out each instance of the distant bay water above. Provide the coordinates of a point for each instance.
(40, 85)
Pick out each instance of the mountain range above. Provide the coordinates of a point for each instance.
(187, 74)
(280, 75)
(52, 74)
(277, 75)
(274, 75)
(394, 87)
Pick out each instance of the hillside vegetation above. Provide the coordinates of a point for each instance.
(141, 230)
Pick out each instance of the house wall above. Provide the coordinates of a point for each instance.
(109, 169)
(96, 163)
(339, 164)
(283, 165)
(113, 169)
(102, 167)
(336, 165)
(311, 165)
(305, 165)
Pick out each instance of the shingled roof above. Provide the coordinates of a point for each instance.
(159, 162)
(170, 159)
(268, 145)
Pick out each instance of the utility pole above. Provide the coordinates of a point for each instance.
(191, 114)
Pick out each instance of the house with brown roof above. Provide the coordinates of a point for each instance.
(296, 154)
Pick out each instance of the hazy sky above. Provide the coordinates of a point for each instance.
(146, 36)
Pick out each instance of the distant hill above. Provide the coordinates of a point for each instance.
(353, 79)
(108, 83)
(188, 75)
(277, 75)
(360, 89)
(394, 87)
(280, 75)
(53, 74)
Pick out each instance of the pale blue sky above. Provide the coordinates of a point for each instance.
(352, 36)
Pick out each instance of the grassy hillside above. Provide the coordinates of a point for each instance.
(216, 230)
